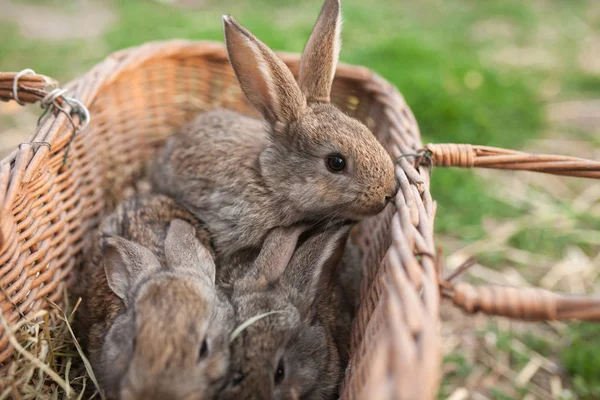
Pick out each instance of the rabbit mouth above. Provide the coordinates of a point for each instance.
(369, 207)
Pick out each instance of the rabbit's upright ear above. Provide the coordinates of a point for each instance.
(265, 80)
(125, 262)
(320, 56)
(307, 268)
(183, 251)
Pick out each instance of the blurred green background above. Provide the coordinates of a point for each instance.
(509, 73)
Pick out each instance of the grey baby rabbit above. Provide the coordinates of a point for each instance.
(306, 162)
(155, 324)
(293, 319)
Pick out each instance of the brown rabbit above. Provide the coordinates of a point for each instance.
(155, 323)
(309, 162)
(293, 319)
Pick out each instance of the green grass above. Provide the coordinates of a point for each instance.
(536, 343)
(581, 360)
(544, 240)
(461, 369)
(583, 84)
(56, 60)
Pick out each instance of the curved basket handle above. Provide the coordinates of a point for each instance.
(469, 156)
(26, 87)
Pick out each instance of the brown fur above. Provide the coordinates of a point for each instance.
(243, 178)
(350, 273)
(144, 343)
(311, 336)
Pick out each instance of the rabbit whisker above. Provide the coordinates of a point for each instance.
(331, 216)
(251, 321)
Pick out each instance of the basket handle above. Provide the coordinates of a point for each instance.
(26, 87)
(469, 156)
(530, 304)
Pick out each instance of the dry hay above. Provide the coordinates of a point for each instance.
(48, 363)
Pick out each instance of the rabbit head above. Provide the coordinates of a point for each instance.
(283, 346)
(346, 172)
(169, 343)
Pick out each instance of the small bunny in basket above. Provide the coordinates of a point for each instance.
(155, 323)
(306, 162)
(293, 318)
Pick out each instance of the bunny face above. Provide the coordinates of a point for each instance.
(283, 346)
(281, 355)
(170, 343)
(329, 165)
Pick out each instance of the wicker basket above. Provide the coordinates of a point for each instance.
(137, 98)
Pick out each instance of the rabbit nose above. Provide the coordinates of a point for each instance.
(390, 196)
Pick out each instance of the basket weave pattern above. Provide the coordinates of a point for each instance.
(140, 96)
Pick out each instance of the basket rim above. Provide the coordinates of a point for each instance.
(128, 58)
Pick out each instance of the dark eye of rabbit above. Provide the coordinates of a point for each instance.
(279, 372)
(203, 350)
(336, 163)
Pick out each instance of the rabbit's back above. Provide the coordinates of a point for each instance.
(212, 168)
(211, 151)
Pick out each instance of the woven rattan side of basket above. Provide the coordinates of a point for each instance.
(137, 98)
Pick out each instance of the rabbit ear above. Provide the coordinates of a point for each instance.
(125, 262)
(183, 251)
(272, 260)
(265, 80)
(308, 265)
(276, 252)
(320, 56)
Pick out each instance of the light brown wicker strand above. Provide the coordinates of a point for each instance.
(471, 156)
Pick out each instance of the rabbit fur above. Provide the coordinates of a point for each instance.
(243, 176)
(298, 347)
(155, 324)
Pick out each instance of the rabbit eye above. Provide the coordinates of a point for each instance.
(237, 378)
(279, 372)
(336, 163)
(203, 350)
